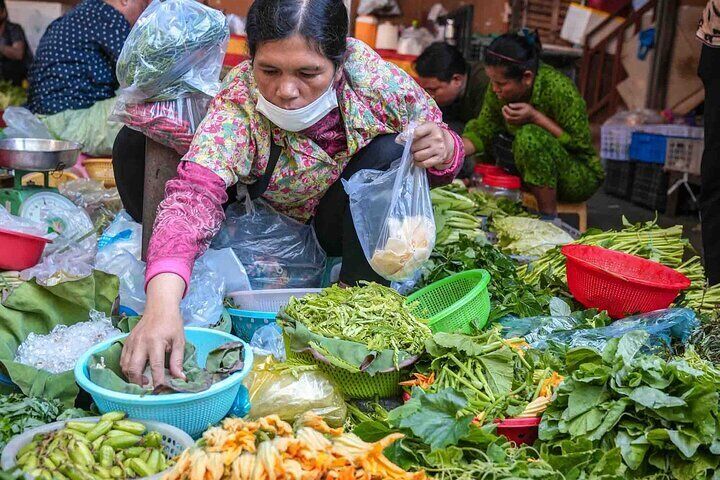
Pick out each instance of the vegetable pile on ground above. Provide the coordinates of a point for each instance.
(509, 295)
(499, 377)
(660, 415)
(270, 449)
(647, 240)
(109, 448)
(19, 413)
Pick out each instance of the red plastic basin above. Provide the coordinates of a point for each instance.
(519, 430)
(620, 283)
(19, 251)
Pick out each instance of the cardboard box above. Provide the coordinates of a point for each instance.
(683, 83)
(633, 92)
(581, 20)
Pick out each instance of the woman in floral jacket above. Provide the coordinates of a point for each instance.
(328, 106)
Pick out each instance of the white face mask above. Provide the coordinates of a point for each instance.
(301, 118)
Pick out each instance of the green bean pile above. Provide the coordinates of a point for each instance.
(371, 314)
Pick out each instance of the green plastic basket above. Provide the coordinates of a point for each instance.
(357, 385)
(457, 304)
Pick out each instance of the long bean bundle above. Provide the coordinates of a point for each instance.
(371, 314)
(648, 240)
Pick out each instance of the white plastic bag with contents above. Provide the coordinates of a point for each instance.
(393, 215)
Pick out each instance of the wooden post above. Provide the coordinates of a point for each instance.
(666, 19)
(160, 166)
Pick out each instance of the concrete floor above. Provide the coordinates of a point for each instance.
(605, 212)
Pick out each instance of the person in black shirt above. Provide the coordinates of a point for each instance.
(457, 86)
(15, 55)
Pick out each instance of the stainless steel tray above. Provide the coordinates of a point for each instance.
(38, 155)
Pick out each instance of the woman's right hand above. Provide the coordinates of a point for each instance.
(160, 331)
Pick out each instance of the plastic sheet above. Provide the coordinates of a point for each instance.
(290, 394)
(14, 223)
(393, 216)
(663, 326)
(170, 122)
(277, 251)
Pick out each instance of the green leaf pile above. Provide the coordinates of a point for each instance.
(662, 416)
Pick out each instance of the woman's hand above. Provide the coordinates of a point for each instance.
(519, 113)
(159, 331)
(433, 146)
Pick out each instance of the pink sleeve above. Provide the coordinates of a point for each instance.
(187, 220)
(439, 178)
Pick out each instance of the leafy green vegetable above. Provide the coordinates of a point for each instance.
(661, 415)
(509, 295)
(11, 95)
(434, 417)
(528, 236)
(18, 413)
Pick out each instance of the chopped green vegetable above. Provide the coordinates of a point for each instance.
(371, 314)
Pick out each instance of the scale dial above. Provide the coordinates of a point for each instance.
(60, 215)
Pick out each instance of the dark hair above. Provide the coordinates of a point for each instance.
(323, 23)
(441, 60)
(518, 53)
(2, 5)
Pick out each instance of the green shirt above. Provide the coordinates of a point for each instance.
(468, 106)
(555, 95)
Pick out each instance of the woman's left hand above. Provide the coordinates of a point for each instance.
(433, 146)
(519, 113)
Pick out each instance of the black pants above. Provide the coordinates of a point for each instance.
(333, 221)
(709, 72)
(128, 158)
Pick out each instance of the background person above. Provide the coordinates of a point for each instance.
(544, 113)
(457, 86)
(74, 66)
(15, 54)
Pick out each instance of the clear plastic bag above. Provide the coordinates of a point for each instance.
(175, 48)
(393, 216)
(268, 340)
(64, 261)
(14, 223)
(203, 304)
(663, 326)
(290, 394)
(22, 123)
(123, 234)
(169, 122)
(102, 204)
(277, 251)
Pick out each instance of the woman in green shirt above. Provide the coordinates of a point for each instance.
(544, 112)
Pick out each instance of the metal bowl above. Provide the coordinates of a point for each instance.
(38, 155)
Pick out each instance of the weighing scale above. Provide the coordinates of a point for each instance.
(28, 155)
(42, 203)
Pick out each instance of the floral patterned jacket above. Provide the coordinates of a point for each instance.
(233, 142)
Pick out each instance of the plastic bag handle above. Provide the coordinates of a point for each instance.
(406, 163)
